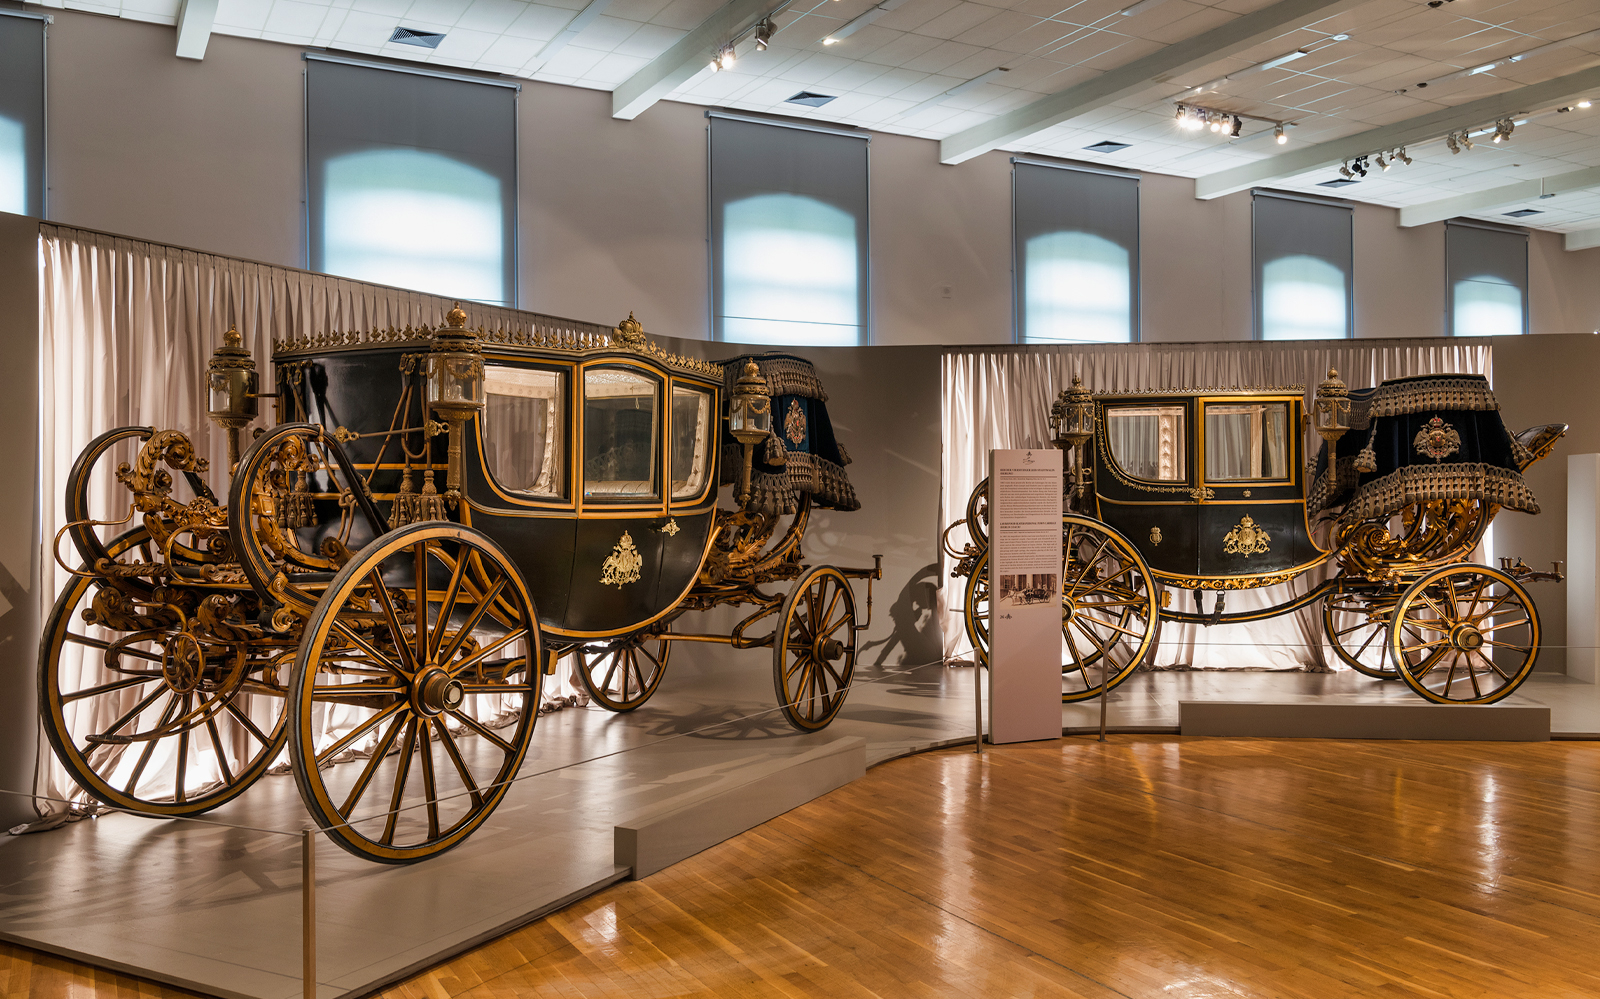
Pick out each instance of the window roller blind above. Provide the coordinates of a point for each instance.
(1075, 255)
(1303, 251)
(1486, 280)
(789, 234)
(412, 180)
(22, 182)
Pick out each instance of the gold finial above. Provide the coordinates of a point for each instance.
(631, 331)
(232, 338)
(456, 318)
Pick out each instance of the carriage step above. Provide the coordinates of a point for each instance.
(1326, 717)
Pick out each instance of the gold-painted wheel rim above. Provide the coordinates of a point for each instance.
(622, 675)
(1464, 634)
(818, 619)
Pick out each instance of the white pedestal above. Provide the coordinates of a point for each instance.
(1583, 567)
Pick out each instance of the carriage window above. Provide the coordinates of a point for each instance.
(522, 429)
(619, 433)
(1148, 441)
(1247, 440)
(691, 444)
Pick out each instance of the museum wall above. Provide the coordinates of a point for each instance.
(209, 155)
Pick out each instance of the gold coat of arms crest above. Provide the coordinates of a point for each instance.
(1437, 439)
(1246, 539)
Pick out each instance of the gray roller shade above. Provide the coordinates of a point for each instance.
(22, 178)
(412, 179)
(1486, 279)
(789, 234)
(1075, 254)
(1302, 266)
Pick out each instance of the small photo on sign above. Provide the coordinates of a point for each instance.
(1025, 589)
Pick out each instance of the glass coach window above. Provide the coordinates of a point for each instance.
(1303, 251)
(1148, 442)
(1486, 268)
(1247, 440)
(1075, 254)
(523, 431)
(788, 233)
(412, 179)
(691, 440)
(22, 37)
(620, 431)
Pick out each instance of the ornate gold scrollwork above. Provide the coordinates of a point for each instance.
(1246, 539)
(622, 565)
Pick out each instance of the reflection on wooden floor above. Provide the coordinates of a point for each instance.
(1148, 866)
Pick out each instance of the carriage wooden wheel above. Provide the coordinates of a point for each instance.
(1109, 608)
(1464, 634)
(814, 648)
(135, 738)
(1357, 626)
(415, 692)
(621, 675)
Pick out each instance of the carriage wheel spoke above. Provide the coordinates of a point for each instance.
(135, 711)
(352, 736)
(179, 790)
(98, 643)
(419, 563)
(216, 744)
(396, 633)
(106, 688)
(149, 748)
(478, 727)
(430, 789)
(447, 604)
(402, 773)
(454, 752)
(484, 653)
(379, 753)
(472, 621)
(1503, 624)
(244, 719)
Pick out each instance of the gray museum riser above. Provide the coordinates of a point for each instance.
(217, 909)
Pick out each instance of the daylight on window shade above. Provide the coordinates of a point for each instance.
(13, 167)
(789, 272)
(1076, 290)
(1487, 306)
(1302, 298)
(417, 220)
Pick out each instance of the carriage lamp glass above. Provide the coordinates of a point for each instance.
(455, 370)
(750, 409)
(1331, 411)
(1072, 416)
(232, 385)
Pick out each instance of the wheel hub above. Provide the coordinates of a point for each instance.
(827, 649)
(1466, 638)
(434, 692)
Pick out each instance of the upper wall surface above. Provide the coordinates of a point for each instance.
(613, 213)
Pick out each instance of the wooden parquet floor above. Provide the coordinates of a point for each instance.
(1145, 867)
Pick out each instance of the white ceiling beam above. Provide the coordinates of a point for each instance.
(195, 20)
(1498, 197)
(692, 53)
(1160, 66)
(1409, 132)
(574, 28)
(1586, 239)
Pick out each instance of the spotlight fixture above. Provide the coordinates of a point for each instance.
(1451, 143)
(1583, 104)
(763, 33)
(1383, 164)
(1360, 165)
(1238, 126)
(1277, 134)
(1401, 152)
(1345, 171)
(1466, 140)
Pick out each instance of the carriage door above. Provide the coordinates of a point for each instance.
(618, 559)
(1252, 516)
(1147, 494)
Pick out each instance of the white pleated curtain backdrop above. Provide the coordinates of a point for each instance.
(126, 331)
(1001, 397)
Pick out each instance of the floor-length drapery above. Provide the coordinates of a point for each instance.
(126, 330)
(999, 397)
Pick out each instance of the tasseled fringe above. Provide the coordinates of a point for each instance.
(775, 453)
(404, 510)
(430, 505)
(779, 492)
(1367, 460)
(297, 509)
(1428, 483)
(784, 375)
(1426, 393)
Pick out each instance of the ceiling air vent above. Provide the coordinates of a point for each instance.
(1107, 146)
(1341, 182)
(809, 99)
(1522, 213)
(416, 36)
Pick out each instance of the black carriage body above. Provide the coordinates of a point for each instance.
(624, 445)
(1210, 487)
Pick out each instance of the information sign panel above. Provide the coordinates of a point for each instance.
(1024, 595)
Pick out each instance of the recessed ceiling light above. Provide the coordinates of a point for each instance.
(1107, 146)
(1522, 213)
(416, 36)
(809, 99)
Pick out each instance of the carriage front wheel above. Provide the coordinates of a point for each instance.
(814, 648)
(1464, 634)
(415, 691)
(622, 674)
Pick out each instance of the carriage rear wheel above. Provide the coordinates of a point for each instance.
(415, 692)
(978, 514)
(622, 674)
(814, 648)
(145, 715)
(1464, 634)
(1357, 626)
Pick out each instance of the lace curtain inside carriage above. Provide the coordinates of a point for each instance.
(1000, 397)
(126, 330)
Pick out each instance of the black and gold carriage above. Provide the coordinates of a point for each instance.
(440, 519)
(1210, 492)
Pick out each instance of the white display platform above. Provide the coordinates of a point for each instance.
(1330, 718)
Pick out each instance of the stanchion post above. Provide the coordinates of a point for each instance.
(308, 914)
(977, 699)
(1105, 675)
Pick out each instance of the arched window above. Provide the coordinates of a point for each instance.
(789, 272)
(13, 167)
(1487, 306)
(415, 219)
(1077, 289)
(1303, 298)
